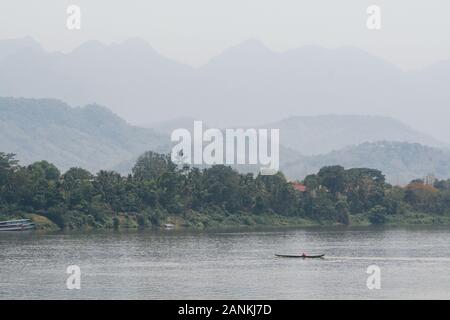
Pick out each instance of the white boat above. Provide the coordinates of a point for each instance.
(17, 225)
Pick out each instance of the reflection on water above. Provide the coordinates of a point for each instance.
(415, 263)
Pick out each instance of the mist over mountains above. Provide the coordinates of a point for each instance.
(315, 135)
(91, 137)
(401, 162)
(94, 138)
(245, 85)
(324, 102)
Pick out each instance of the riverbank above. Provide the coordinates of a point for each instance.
(159, 192)
(201, 221)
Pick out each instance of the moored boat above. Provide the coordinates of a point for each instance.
(300, 256)
(17, 225)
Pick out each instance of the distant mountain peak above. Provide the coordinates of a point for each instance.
(89, 46)
(311, 135)
(248, 83)
(333, 116)
(250, 50)
(92, 136)
(12, 46)
(136, 42)
(251, 44)
(26, 41)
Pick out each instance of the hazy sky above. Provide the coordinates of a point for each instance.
(414, 33)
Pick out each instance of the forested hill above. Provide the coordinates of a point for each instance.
(91, 137)
(315, 135)
(401, 162)
(94, 138)
(142, 86)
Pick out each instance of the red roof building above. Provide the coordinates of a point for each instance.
(299, 187)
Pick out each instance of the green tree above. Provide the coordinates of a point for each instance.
(342, 212)
(333, 178)
(152, 165)
(377, 215)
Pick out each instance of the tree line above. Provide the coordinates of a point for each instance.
(158, 188)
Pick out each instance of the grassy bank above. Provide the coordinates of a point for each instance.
(405, 219)
(199, 220)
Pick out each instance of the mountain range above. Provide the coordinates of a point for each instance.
(95, 138)
(401, 162)
(248, 84)
(313, 135)
(91, 137)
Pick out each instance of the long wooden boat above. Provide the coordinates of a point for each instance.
(17, 225)
(300, 256)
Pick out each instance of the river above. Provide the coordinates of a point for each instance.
(414, 263)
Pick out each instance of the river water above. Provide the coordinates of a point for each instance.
(414, 264)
